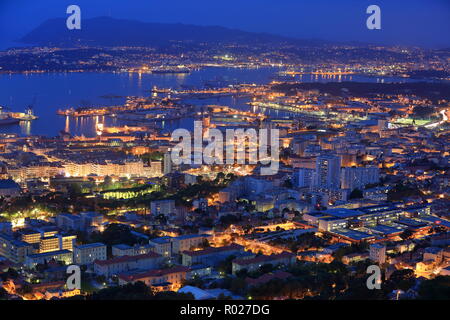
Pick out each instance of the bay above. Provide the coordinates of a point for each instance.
(53, 91)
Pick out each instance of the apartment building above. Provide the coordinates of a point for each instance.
(122, 264)
(88, 253)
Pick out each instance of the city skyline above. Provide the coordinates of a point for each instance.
(213, 171)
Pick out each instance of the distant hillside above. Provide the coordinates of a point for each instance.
(104, 31)
(434, 91)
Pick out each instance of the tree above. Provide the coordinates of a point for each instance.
(238, 286)
(435, 289)
(161, 218)
(266, 268)
(407, 234)
(423, 112)
(226, 265)
(288, 184)
(402, 279)
(136, 291)
(229, 219)
(356, 194)
(400, 191)
(25, 289)
(3, 294)
(11, 274)
(115, 234)
(357, 290)
(74, 190)
(205, 244)
(220, 177)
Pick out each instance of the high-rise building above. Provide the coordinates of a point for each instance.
(167, 163)
(359, 177)
(328, 172)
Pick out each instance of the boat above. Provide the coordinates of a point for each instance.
(9, 118)
(6, 119)
(24, 116)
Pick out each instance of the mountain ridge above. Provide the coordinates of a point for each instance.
(106, 31)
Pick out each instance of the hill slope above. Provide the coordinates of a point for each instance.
(104, 31)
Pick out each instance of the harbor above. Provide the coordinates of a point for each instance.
(12, 118)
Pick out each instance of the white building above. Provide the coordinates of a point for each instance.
(88, 253)
(126, 250)
(65, 256)
(122, 264)
(165, 207)
(378, 253)
(167, 163)
(331, 223)
(328, 172)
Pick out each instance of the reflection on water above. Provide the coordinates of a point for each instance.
(67, 126)
(25, 128)
(88, 126)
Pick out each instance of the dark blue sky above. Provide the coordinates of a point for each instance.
(404, 22)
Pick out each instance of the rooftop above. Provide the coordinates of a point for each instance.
(267, 277)
(123, 259)
(48, 254)
(192, 236)
(352, 234)
(212, 250)
(152, 273)
(91, 245)
(262, 259)
(343, 213)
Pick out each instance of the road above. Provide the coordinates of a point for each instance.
(445, 117)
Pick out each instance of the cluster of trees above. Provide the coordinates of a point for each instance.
(435, 289)
(353, 248)
(202, 189)
(9, 274)
(115, 234)
(135, 291)
(423, 112)
(401, 191)
(356, 194)
(432, 91)
(152, 156)
(308, 280)
(302, 242)
(3, 294)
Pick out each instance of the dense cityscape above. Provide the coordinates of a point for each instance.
(361, 153)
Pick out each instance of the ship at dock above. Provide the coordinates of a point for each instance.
(9, 118)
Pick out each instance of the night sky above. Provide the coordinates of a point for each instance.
(404, 22)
